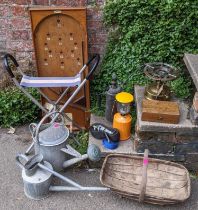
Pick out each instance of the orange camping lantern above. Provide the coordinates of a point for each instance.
(122, 120)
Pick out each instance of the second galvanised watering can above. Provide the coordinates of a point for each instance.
(50, 140)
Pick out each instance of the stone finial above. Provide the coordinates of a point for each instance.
(191, 61)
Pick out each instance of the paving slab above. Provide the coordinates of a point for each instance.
(191, 61)
(125, 147)
(12, 195)
(184, 123)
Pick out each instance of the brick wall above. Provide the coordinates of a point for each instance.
(15, 29)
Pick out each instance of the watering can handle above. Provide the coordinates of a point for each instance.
(43, 120)
(18, 160)
(32, 128)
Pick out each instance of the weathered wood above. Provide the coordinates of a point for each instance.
(143, 183)
(195, 101)
(167, 182)
(160, 111)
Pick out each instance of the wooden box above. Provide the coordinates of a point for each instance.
(160, 111)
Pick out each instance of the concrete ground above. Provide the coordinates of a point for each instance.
(12, 195)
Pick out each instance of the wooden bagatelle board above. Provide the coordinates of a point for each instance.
(60, 42)
(160, 111)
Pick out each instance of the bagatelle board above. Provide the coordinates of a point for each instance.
(60, 43)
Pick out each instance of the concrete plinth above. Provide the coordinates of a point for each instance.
(184, 123)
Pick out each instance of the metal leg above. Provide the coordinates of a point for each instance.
(62, 95)
(30, 96)
(65, 188)
(43, 94)
(70, 99)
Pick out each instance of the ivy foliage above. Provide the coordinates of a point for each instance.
(83, 139)
(148, 31)
(16, 108)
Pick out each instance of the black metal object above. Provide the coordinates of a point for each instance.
(97, 60)
(100, 131)
(110, 107)
(7, 66)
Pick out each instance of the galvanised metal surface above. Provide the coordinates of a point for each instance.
(37, 185)
(53, 154)
(50, 139)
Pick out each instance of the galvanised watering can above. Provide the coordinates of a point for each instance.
(50, 140)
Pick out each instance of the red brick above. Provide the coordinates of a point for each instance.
(19, 11)
(100, 2)
(20, 46)
(2, 45)
(20, 2)
(20, 23)
(96, 49)
(69, 3)
(41, 2)
(3, 34)
(20, 35)
(23, 55)
(4, 23)
(95, 25)
(4, 11)
(96, 2)
(94, 13)
(98, 38)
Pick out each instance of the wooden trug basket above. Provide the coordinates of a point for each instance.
(167, 182)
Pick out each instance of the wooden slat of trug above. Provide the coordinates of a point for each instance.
(126, 186)
(148, 199)
(151, 173)
(152, 181)
(137, 162)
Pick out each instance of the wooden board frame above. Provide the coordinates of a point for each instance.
(81, 105)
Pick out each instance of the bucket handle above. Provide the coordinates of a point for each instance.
(32, 129)
(19, 162)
